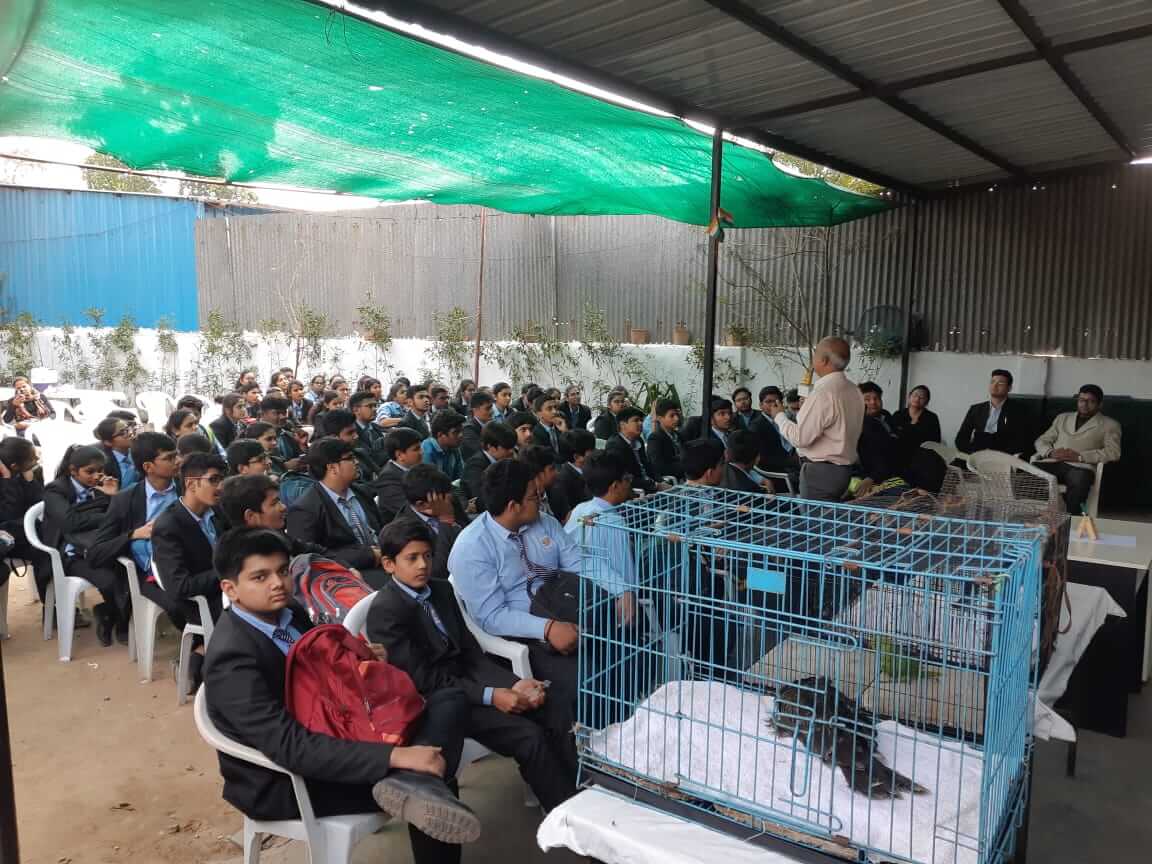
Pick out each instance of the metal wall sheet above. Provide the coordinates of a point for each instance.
(64, 252)
(1065, 267)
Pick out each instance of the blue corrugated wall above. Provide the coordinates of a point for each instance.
(64, 252)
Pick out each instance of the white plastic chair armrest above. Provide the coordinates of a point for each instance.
(219, 741)
(205, 617)
(514, 652)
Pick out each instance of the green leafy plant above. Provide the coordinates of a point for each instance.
(532, 354)
(167, 377)
(310, 327)
(725, 373)
(223, 352)
(71, 357)
(613, 363)
(18, 343)
(374, 325)
(451, 349)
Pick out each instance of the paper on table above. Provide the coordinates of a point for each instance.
(1109, 540)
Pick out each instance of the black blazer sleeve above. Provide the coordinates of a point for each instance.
(224, 430)
(473, 472)
(170, 538)
(398, 623)
(470, 443)
(390, 495)
(114, 535)
(309, 520)
(58, 498)
(972, 420)
(1019, 429)
(662, 456)
(605, 426)
(245, 704)
(932, 429)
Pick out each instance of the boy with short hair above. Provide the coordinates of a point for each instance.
(363, 406)
(253, 501)
(274, 411)
(337, 515)
(442, 447)
(499, 442)
(342, 424)
(544, 433)
(743, 450)
(628, 445)
(115, 437)
(416, 417)
(431, 502)
(252, 395)
(575, 447)
(523, 423)
(664, 447)
(542, 461)
(244, 690)
(247, 457)
(437, 398)
(402, 447)
(480, 411)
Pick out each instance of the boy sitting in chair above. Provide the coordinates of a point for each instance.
(244, 675)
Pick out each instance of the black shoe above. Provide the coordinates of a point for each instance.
(122, 632)
(195, 671)
(424, 802)
(104, 624)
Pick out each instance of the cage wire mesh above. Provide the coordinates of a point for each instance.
(854, 679)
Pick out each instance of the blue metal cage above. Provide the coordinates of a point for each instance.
(851, 679)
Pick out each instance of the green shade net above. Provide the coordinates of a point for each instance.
(287, 92)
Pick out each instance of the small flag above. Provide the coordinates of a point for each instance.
(716, 226)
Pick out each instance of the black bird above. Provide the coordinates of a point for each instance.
(840, 733)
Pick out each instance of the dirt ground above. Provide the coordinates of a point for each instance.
(110, 771)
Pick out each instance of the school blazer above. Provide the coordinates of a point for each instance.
(65, 521)
(636, 460)
(244, 677)
(737, 480)
(445, 538)
(411, 421)
(664, 454)
(577, 419)
(183, 554)
(224, 429)
(398, 622)
(470, 443)
(541, 437)
(315, 518)
(1013, 430)
(571, 484)
(126, 512)
(389, 488)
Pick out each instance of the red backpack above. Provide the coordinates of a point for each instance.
(326, 588)
(334, 685)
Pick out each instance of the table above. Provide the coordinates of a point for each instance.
(1119, 561)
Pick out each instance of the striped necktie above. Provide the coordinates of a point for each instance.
(536, 572)
(354, 522)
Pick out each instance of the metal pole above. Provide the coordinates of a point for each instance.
(713, 265)
(479, 303)
(909, 297)
(9, 848)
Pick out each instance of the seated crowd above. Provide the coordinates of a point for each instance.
(409, 487)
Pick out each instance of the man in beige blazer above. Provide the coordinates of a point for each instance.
(1076, 442)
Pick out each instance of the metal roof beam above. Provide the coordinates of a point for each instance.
(478, 34)
(1065, 49)
(1020, 17)
(746, 15)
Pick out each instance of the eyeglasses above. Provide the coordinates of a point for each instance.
(258, 460)
(210, 479)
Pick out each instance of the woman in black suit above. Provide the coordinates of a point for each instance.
(914, 424)
(21, 486)
(74, 507)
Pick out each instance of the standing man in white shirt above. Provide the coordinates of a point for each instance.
(828, 426)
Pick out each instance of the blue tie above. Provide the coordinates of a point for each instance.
(208, 528)
(426, 602)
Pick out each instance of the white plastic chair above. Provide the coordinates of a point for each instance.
(514, 652)
(948, 454)
(775, 476)
(62, 594)
(156, 405)
(1092, 505)
(330, 840)
(212, 409)
(992, 464)
(357, 618)
(54, 437)
(187, 636)
(145, 614)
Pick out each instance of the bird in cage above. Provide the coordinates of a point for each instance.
(841, 734)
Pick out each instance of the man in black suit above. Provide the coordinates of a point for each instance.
(417, 619)
(575, 412)
(228, 425)
(738, 474)
(499, 442)
(430, 502)
(575, 445)
(628, 445)
(665, 450)
(336, 514)
(126, 529)
(544, 434)
(244, 689)
(417, 416)
(253, 501)
(115, 437)
(776, 452)
(720, 422)
(480, 408)
(998, 424)
(402, 449)
(607, 425)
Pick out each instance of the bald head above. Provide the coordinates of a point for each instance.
(831, 355)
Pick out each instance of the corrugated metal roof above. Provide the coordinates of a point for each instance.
(891, 41)
(802, 61)
(1065, 20)
(903, 147)
(1121, 79)
(1024, 113)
